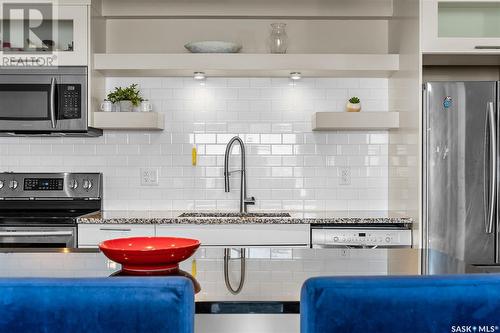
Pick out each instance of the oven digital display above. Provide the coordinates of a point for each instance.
(43, 184)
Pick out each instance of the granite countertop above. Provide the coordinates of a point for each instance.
(296, 217)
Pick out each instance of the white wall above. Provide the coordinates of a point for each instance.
(289, 167)
(405, 97)
(305, 36)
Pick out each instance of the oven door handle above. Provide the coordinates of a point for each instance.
(53, 118)
(35, 233)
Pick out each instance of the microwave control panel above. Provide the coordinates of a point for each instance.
(70, 104)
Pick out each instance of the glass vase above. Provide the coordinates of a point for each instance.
(278, 38)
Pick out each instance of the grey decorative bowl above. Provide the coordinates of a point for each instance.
(213, 46)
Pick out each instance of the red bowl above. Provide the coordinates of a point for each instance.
(141, 254)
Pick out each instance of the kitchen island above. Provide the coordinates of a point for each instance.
(272, 274)
(273, 279)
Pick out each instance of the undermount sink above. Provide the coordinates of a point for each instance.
(230, 214)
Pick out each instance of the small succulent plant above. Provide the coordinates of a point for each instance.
(354, 100)
(130, 93)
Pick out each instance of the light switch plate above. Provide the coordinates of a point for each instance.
(149, 176)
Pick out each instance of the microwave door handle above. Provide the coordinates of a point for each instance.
(491, 198)
(53, 118)
(35, 233)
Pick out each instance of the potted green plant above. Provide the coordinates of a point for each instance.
(126, 98)
(353, 105)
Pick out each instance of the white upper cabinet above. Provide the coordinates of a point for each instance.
(62, 42)
(76, 21)
(458, 26)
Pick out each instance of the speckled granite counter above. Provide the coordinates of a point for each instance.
(304, 217)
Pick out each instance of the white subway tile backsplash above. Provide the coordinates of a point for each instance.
(215, 149)
(373, 83)
(337, 94)
(282, 172)
(289, 166)
(160, 93)
(270, 138)
(282, 149)
(260, 82)
(282, 127)
(171, 83)
(205, 138)
(238, 82)
(348, 83)
(248, 93)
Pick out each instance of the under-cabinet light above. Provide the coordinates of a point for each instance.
(295, 76)
(200, 76)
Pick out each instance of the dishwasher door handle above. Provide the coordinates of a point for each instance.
(115, 229)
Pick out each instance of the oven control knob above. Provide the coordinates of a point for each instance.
(2, 183)
(73, 184)
(387, 239)
(87, 184)
(13, 184)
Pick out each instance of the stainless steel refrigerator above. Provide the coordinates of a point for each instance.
(461, 168)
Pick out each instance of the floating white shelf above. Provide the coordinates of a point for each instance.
(326, 121)
(244, 9)
(129, 120)
(246, 64)
(471, 2)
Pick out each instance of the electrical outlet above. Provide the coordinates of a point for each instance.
(149, 177)
(345, 176)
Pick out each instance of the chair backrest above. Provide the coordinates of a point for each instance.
(117, 304)
(418, 304)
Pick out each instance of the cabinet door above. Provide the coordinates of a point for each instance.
(228, 235)
(90, 235)
(68, 32)
(75, 28)
(460, 26)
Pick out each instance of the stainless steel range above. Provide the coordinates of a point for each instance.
(40, 210)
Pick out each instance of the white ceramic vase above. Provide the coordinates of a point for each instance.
(353, 107)
(125, 106)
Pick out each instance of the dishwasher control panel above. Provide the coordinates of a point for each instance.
(332, 237)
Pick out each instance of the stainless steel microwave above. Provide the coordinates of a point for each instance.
(44, 101)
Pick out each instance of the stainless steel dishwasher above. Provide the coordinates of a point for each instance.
(360, 236)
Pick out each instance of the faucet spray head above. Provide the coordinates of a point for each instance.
(226, 183)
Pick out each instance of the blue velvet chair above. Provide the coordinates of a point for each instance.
(421, 304)
(119, 304)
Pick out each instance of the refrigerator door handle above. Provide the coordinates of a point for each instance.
(491, 199)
